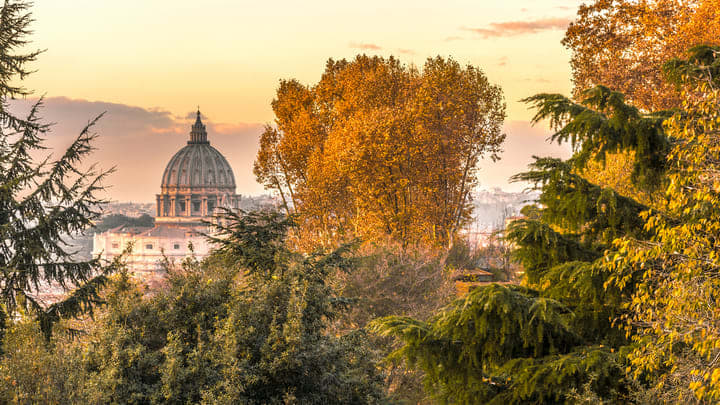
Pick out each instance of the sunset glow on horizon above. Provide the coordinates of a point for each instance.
(149, 64)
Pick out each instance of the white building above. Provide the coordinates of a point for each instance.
(197, 182)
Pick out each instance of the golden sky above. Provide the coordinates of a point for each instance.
(149, 63)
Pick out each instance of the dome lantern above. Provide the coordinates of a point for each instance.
(198, 133)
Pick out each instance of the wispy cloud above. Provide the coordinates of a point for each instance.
(365, 46)
(502, 61)
(453, 38)
(513, 28)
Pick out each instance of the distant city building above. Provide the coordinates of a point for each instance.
(129, 209)
(197, 183)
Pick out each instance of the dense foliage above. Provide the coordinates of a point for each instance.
(622, 45)
(377, 148)
(249, 325)
(673, 315)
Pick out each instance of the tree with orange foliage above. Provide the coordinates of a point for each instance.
(623, 44)
(380, 149)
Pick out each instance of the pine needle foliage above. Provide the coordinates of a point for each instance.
(603, 123)
(42, 203)
(500, 345)
(573, 203)
(540, 247)
(254, 241)
(15, 20)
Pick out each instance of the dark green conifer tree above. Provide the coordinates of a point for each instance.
(42, 203)
(553, 340)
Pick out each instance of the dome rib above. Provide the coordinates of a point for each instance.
(167, 173)
(198, 165)
(182, 169)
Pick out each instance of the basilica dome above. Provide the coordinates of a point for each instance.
(197, 181)
(198, 165)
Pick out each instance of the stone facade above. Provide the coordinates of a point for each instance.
(151, 245)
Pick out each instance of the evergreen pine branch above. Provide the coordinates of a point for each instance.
(603, 123)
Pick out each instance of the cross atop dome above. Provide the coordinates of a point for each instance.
(198, 133)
